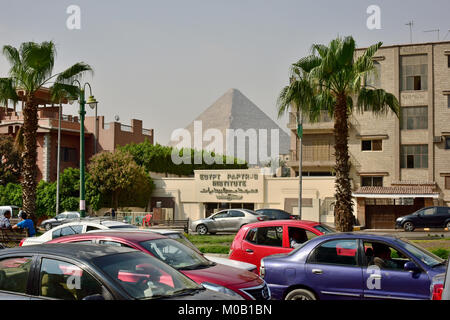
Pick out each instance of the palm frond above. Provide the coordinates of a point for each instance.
(378, 101)
(74, 72)
(61, 91)
(8, 91)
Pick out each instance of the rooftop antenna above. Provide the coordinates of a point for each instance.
(434, 30)
(410, 24)
(446, 34)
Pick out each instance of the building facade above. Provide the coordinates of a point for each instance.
(109, 136)
(398, 165)
(208, 191)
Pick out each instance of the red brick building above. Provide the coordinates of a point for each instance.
(109, 135)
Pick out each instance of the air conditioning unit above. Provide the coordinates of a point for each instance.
(437, 139)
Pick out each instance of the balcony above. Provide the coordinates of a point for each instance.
(314, 156)
(324, 125)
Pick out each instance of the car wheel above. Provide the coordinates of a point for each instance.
(408, 226)
(202, 229)
(47, 226)
(300, 294)
(448, 225)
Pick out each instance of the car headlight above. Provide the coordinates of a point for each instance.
(262, 270)
(221, 289)
(399, 219)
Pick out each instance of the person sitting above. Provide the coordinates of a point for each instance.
(297, 238)
(382, 257)
(25, 223)
(4, 220)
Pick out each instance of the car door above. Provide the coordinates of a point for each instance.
(219, 222)
(263, 241)
(235, 220)
(429, 218)
(443, 215)
(333, 270)
(392, 281)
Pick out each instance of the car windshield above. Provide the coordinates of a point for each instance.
(176, 254)
(145, 277)
(182, 239)
(324, 229)
(426, 257)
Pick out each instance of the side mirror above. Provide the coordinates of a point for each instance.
(411, 266)
(94, 297)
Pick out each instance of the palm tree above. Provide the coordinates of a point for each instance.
(298, 95)
(32, 69)
(339, 77)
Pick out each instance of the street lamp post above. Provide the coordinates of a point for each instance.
(92, 102)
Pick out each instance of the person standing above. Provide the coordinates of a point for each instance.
(25, 223)
(4, 220)
(113, 214)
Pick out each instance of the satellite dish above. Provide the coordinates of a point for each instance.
(116, 117)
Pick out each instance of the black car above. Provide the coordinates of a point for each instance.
(430, 217)
(92, 272)
(276, 214)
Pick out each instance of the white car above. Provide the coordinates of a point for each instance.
(179, 236)
(76, 227)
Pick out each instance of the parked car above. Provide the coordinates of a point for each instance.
(70, 228)
(258, 240)
(211, 275)
(276, 214)
(352, 266)
(61, 218)
(92, 272)
(430, 217)
(229, 220)
(179, 236)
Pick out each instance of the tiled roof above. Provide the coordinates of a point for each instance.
(413, 183)
(397, 190)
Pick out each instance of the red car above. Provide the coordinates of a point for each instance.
(213, 276)
(257, 240)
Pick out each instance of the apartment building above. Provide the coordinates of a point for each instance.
(108, 137)
(398, 165)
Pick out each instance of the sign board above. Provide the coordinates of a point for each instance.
(239, 186)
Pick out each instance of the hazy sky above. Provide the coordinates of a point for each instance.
(166, 61)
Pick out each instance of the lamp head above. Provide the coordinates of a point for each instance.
(92, 102)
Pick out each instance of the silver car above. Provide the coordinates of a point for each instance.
(229, 220)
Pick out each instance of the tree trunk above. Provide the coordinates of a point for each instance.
(343, 210)
(29, 170)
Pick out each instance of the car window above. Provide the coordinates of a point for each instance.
(428, 212)
(68, 231)
(14, 274)
(91, 228)
(236, 214)
(62, 280)
(266, 236)
(337, 252)
(324, 229)
(223, 214)
(299, 235)
(113, 243)
(62, 216)
(384, 256)
(82, 242)
(73, 216)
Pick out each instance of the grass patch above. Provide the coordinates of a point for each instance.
(211, 239)
(214, 249)
(442, 253)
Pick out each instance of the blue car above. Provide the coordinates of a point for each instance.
(352, 266)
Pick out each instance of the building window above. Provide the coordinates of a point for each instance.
(447, 183)
(414, 72)
(448, 61)
(448, 100)
(373, 79)
(414, 118)
(371, 145)
(69, 154)
(414, 156)
(371, 181)
(447, 143)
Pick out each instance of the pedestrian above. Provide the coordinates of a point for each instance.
(4, 220)
(113, 213)
(25, 223)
